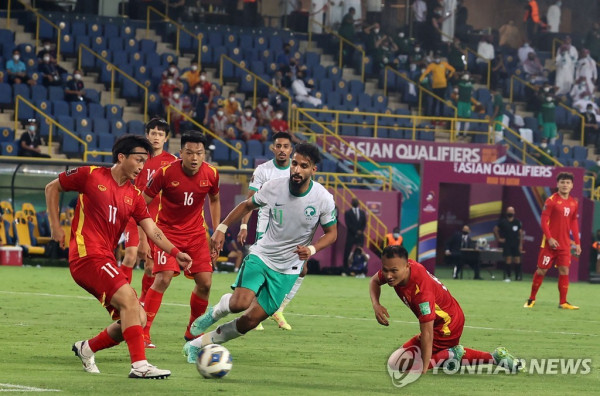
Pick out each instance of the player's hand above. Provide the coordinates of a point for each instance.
(381, 314)
(143, 249)
(214, 255)
(501, 240)
(184, 260)
(58, 235)
(577, 250)
(303, 252)
(217, 240)
(242, 235)
(553, 243)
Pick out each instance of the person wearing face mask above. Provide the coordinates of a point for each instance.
(198, 104)
(566, 58)
(375, 42)
(592, 41)
(547, 119)
(486, 52)
(586, 68)
(192, 75)
(440, 72)
(461, 240)
(278, 124)
(553, 17)
(264, 112)
(248, 126)
(544, 155)
(30, 141)
(356, 222)
(591, 132)
(165, 89)
(523, 51)
(283, 58)
(49, 72)
(220, 125)
(47, 49)
(171, 70)
(302, 92)
(405, 47)
(509, 235)
(180, 103)
(233, 108)
(394, 237)
(17, 71)
(75, 89)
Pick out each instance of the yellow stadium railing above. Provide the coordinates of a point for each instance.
(593, 190)
(573, 111)
(343, 41)
(241, 160)
(180, 28)
(39, 17)
(49, 120)
(113, 68)
(256, 79)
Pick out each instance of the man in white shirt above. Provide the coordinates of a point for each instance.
(553, 17)
(524, 51)
(301, 92)
(586, 67)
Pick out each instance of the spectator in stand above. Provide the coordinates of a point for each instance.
(49, 72)
(440, 72)
(592, 134)
(457, 55)
(509, 36)
(264, 112)
(376, 40)
(278, 124)
(219, 125)
(30, 141)
(348, 32)
(586, 67)
(284, 58)
(524, 51)
(198, 102)
(47, 49)
(181, 104)
(233, 108)
(17, 71)
(579, 90)
(192, 76)
(172, 70)
(405, 47)
(165, 89)
(532, 19)
(462, 15)
(545, 156)
(498, 112)
(553, 17)
(419, 11)
(416, 58)
(302, 92)
(566, 59)
(207, 87)
(74, 89)
(248, 126)
(592, 41)
(465, 91)
(499, 71)
(486, 52)
(547, 119)
(534, 71)
(277, 80)
(434, 37)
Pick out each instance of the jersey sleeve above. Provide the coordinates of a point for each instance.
(265, 195)
(381, 278)
(140, 209)
(214, 188)
(74, 179)
(545, 219)
(155, 184)
(257, 180)
(328, 216)
(425, 304)
(575, 225)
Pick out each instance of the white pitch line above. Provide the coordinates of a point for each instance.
(23, 388)
(329, 316)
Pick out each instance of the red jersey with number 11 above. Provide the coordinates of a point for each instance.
(102, 212)
(559, 221)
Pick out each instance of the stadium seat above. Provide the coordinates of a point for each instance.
(56, 93)
(39, 92)
(7, 134)
(147, 46)
(60, 108)
(84, 125)
(29, 211)
(135, 127)
(66, 121)
(8, 148)
(78, 110)
(24, 234)
(105, 141)
(113, 112)
(221, 152)
(100, 125)
(254, 148)
(6, 99)
(22, 90)
(117, 127)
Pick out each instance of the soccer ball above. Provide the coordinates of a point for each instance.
(214, 361)
(482, 243)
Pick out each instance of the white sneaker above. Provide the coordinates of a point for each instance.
(88, 362)
(148, 372)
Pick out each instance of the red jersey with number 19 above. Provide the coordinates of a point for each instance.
(182, 198)
(559, 220)
(102, 212)
(430, 300)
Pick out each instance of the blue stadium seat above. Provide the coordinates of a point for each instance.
(117, 126)
(167, 58)
(580, 153)
(84, 125)
(60, 108)
(6, 98)
(96, 29)
(247, 41)
(254, 148)
(67, 45)
(221, 152)
(21, 89)
(39, 92)
(113, 112)
(115, 44)
(268, 153)
(105, 141)
(8, 148)
(7, 134)
(356, 87)
(98, 44)
(70, 145)
(135, 127)
(78, 110)
(312, 59)
(66, 122)
(380, 103)
(56, 93)
(24, 111)
(77, 28)
(100, 125)
(147, 46)
(90, 138)
(347, 130)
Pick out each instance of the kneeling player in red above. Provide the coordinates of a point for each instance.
(440, 317)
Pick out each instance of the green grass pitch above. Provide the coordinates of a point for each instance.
(335, 348)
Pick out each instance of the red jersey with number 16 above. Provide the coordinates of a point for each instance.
(102, 212)
(430, 300)
(152, 165)
(559, 221)
(182, 198)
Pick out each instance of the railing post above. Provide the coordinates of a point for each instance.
(58, 44)
(112, 85)
(221, 71)
(419, 109)
(341, 60)
(16, 126)
(362, 75)
(37, 30)
(512, 80)
(254, 94)
(199, 38)
(79, 58)
(385, 81)
(8, 15)
(49, 135)
(146, 106)
(489, 74)
(148, 22)
(177, 35)
(375, 125)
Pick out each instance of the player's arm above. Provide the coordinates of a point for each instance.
(215, 209)
(521, 236)
(426, 343)
(144, 247)
(156, 235)
(327, 239)
(53, 190)
(381, 313)
(545, 223)
(243, 234)
(575, 232)
(233, 217)
(497, 234)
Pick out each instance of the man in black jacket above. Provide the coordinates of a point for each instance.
(461, 240)
(356, 222)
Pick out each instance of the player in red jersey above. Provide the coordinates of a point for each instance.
(157, 132)
(559, 221)
(183, 186)
(106, 201)
(440, 317)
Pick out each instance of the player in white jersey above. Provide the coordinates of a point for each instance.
(278, 167)
(297, 205)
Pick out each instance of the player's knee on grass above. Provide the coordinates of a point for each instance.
(203, 283)
(563, 270)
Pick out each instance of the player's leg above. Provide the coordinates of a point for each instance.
(129, 260)
(147, 278)
(198, 299)
(278, 316)
(154, 296)
(518, 273)
(507, 264)
(545, 259)
(563, 263)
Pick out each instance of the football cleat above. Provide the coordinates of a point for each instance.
(88, 362)
(280, 319)
(190, 352)
(202, 323)
(148, 371)
(260, 327)
(568, 306)
(529, 304)
(454, 362)
(504, 358)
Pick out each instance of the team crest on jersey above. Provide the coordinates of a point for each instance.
(101, 187)
(72, 171)
(164, 163)
(175, 183)
(129, 200)
(310, 212)
(203, 183)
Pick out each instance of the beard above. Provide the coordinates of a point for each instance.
(297, 182)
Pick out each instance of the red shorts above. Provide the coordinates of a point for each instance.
(439, 343)
(132, 237)
(101, 277)
(196, 246)
(548, 256)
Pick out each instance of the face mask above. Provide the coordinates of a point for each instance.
(279, 116)
(16, 57)
(396, 235)
(412, 67)
(170, 81)
(590, 110)
(465, 232)
(31, 128)
(598, 163)
(548, 100)
(417, 50)
(437, 60)
(547, 89)
(401, 35)
(543, 145)
(46, 59)
(510, 215)
(265, 104)
(526, 45)
(559, 4)
(202, 78)
(198, 91)
(172, 69)
(220, 113)
(232, 99)
(248, 114)
(47, 47)
(194, 67)
(376, 31)
(77, 76)
(175, 96)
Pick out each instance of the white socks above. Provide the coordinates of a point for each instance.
(139, 363)
(222, 308)
(221, 334)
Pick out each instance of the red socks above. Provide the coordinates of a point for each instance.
(128, 272)
(197, 308)
(438, 358)
(101, 341)
(147, 282)
(474, 357)
(563, 287)
(151, 306)
(134, 337)
(535, 285)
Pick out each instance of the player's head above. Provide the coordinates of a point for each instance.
(394, 265)
(157, 132)
(131, 153)
(282, 148)
(193, 150)
(303, 166)
(564, 182)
